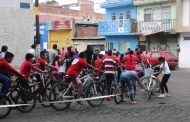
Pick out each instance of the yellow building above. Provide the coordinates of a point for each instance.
(60, 37)
(60, 33)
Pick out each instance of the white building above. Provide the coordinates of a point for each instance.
(16, 27)
(183, 21)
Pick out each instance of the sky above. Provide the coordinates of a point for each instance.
(96, 6)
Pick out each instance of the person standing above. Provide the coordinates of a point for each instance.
(89, 54)
(109, 66)
(4, 49)
(53, 53)
(130, 61)
(166, 71)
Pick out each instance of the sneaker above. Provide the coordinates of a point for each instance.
(167, 95)
(124, 100)
(80, 103)
(133, 102)
(109, 99)
(161, 96)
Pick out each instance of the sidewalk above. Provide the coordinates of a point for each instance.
(183, 69)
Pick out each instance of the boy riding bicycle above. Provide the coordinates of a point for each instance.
(75, 69)
(6, 71)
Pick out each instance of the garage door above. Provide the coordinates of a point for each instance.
(184, 57)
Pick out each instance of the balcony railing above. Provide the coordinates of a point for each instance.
(116, 27)
(131, 27)
(144, 2)
(146, 28)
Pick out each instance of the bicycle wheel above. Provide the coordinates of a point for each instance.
(26, 97)
(60, 93)
(121, 93)
(43, 97)
(95, 90)
(150, 88)
(4, 111)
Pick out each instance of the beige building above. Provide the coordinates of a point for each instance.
(156, 21)
(183, 27)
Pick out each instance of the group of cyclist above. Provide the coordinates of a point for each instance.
(71, 63)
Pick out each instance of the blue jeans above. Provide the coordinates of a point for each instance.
(130, 87)
(6, 84)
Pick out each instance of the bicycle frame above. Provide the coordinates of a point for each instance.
(86, 78)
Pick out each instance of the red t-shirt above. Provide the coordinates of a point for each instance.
(41, 64)
(26, 68)
(76, 67)
(7, 69)
(143, 58)
(130, 62)
(98, 63)
(117, 59)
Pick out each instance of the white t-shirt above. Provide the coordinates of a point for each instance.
(165, 67)
(52, 55)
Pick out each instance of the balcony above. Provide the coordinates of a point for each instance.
(114, 3)
(117, 27)
(147, 28)
(145, 2)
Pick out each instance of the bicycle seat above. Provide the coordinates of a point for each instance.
(67, 79)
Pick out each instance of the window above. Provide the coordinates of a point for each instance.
(124, 45)
(155, 54)
(113, 16)
(128, 15)
(157, 14)
(147, 14)
(170, 55)
(166, 12)
(186, 38)
(110, 45)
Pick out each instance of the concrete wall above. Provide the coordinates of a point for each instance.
(184, 57)
(183, 19)
(81, 45)
(16, 28)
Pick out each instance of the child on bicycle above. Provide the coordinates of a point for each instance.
(98, 63)
(6, 71)
(26, 68)
(75, 69)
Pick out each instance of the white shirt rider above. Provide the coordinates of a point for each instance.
(165, 67)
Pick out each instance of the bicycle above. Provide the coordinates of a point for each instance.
(122, 93)
(63, 91)
(4, 111)
(21, 95)
(151, 84)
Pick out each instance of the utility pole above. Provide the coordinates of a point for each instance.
(37, 41)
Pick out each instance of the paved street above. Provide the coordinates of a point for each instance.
(171, 109)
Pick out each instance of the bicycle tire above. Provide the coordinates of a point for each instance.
(53, 97)
(90, 92)
(42, 98)
(4, 100)
(149, 94)
(120, 93)
(26, 97)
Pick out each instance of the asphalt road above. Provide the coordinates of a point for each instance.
(171, 109)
